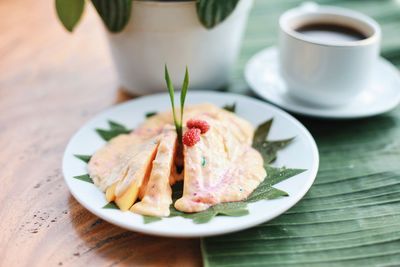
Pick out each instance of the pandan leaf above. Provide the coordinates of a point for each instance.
(185, 87)
(150, 114)
(171, 91)
(84, 158)
(85, 178)
(69, 12)
(269, 149)
(170, 87)
(213, 12)
(229, 209)
(261, 133)
(150, 219)
(114, 13)
(277, 175)
(115, 130)
(111, 205)
(115, 125)
(107, 135)
(231, 108)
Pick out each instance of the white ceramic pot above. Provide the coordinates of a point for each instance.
(170, 33)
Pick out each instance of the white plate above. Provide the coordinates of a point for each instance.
(302, 153)
(383, 94)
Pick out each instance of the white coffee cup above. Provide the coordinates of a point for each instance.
(322, 71)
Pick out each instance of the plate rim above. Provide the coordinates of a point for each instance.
(132, 227)
(314, 113)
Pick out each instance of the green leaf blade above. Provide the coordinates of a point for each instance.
(84, 158)
(116, 126)
(171, 91)
(267, 193)
(213, 12)
(115, 14)
(150, 114)
(261, 133)
(111, 205)
(150, 219)
(230, 108)
(69, 12)
(277, 175)
(107, 135)
(85, 178)
(185, 87)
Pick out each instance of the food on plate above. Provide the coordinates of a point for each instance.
(214, 157)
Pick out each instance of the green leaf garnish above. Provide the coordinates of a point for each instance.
(277, 175)
(231, 108)
(150, 114)
(185, 86)
(111, 205)
(115, 130)
(115, 125)
(150, 219)
(85, 178)
(235, 209)
(269, 149)
(261, 133)
(84, 158)
(171, 91)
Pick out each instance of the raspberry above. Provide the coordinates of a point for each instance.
(191, 137)
(199, 124)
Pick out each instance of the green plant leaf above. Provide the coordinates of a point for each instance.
(269, 149)
(111, 205)
(84, 158)
(85, 178)
(150, 114)
(115, 130)
(185, 86)
(116, 126)
(277, 175)
(261, 133)
(69, 12)
(115, 14)
(213, 12)
(107, 135)
(171, 91)
(229, 209)
(231, 107)
(150, 219)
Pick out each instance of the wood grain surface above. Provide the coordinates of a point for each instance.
(51, 82)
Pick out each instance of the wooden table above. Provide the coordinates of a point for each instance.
(51, 82)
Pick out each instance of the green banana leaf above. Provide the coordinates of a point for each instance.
(351, 215)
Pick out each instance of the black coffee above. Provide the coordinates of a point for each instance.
(331, 32)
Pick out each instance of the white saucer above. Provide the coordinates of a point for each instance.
(383, 94)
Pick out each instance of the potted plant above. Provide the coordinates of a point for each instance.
(204, 35)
